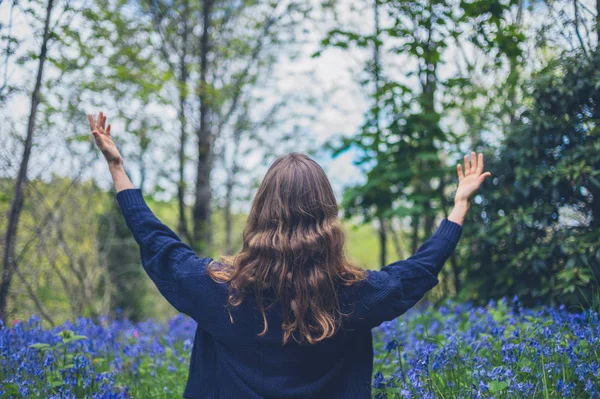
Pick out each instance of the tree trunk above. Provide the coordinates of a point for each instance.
(227, 215)
(415, 233)
(202, 235)
(382, 243)
(10, 238)
(183, 93)
(377, 78)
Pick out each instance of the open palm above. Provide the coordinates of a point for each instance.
(471, 179)
(103, 139)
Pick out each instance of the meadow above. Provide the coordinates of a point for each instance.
(457, 350)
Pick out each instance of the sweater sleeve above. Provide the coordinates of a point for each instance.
(391, 291)
(166, 259)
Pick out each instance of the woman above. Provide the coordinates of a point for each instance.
(289, 316)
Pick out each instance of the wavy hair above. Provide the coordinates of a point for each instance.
(293, 247)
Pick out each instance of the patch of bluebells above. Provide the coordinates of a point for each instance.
(501, 350)
(455, 351)
(110, 359)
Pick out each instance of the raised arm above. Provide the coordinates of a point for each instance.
(391, 291)
(166, 259)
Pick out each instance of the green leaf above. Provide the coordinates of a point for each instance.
(497, 386)
(41, 346)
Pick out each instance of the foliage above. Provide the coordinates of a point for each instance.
(497, 351)
(538, 233)
(402, 144)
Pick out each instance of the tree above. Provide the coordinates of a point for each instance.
(539, 229)
(227, 75)
(9, 264)
(403, 143)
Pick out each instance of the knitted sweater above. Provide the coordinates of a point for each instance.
(229, 360)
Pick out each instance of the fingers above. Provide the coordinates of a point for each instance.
(484, 176)
(459, 171)
(98, 126)
(91, 120)
(474, 165)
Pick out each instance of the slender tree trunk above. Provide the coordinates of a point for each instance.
(202, 210)
(576, 23)
(415, 233)
(228, 221)
(182, 225)
(382, 243)
(376, 57)
(429, 221)
(183, 93)
(10, 238)
(377, 78)
(429, 88)
(142, 163)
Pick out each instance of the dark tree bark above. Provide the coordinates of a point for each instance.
(377, 78)
(8, 262)
(183, 92)
(382, 243)
(202, 237)
(416, 221)
(230, 184)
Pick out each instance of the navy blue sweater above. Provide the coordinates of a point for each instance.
(228, 360)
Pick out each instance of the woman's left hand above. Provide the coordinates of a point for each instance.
(472, 178)
(104, 140)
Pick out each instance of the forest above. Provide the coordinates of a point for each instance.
(387, 95)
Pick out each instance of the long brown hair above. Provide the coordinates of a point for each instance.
(293, 245)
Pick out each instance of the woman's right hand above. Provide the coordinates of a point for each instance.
(104, 140)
